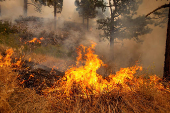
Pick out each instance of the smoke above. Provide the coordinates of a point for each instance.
(11, 9)
(150, 53)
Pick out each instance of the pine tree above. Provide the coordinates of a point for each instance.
(87, 9)
(122, 23)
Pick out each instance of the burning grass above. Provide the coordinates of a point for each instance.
(82, 90)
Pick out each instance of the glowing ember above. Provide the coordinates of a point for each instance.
(29, 60)
(31, 76)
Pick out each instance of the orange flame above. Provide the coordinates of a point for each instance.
(83, 79)
(34, 40)
(6, 61)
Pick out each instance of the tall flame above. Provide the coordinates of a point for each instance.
(85, 79)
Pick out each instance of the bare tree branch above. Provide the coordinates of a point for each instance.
(33, 5)
(115, 4)
(163, 6)
(110, 6)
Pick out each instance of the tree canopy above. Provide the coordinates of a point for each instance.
(50, 3)
(123, 21)
(87, 8)
(160, 16)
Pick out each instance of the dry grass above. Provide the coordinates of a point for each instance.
(16, 99)
(61, 64)
(145, 100)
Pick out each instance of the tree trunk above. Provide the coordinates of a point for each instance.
(112, 37)
(0, 10)
(55, 14)
(166, 75)
(25, 7)
(87, 23)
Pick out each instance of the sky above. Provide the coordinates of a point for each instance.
(152, 50)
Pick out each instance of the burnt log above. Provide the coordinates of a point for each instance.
(37, 77)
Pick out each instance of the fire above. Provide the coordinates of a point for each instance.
(36, 40)
(85, 75)
(6, 61)
(83, 79)
(31, 76)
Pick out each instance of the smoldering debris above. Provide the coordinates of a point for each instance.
(36, 76)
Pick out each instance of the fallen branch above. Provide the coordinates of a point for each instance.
(163, 6)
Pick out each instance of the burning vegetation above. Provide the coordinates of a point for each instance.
(80, 88)
(35, 76)
(35, 40)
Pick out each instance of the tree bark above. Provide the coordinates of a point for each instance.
(55, 14)
(25, 7)
(166, 75)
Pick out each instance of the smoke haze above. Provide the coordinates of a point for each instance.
(150, 53)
